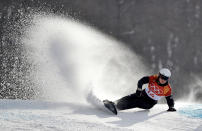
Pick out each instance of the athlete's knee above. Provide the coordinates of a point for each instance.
(148, 106)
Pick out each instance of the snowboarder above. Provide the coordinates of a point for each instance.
(158, 86)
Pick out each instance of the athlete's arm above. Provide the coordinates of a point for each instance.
(170, 102)
(142, 81)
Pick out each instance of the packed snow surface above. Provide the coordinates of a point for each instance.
(43, 115)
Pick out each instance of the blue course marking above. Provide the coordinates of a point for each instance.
(192, 110)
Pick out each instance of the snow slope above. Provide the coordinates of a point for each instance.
(43, 115)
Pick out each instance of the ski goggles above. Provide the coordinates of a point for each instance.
(163, 77)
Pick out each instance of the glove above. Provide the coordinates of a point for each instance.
(171, 109)
(138, 92)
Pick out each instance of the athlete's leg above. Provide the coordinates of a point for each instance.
(127, 102)
(132, 101)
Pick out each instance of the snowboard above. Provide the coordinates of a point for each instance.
(104, 105)
(110, 106)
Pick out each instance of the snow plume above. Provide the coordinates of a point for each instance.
(70, 60)
(195, 90)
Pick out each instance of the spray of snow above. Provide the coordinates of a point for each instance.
(195, 90)
(71, 59)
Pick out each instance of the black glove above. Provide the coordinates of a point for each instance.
(138, 92)
(172, 109)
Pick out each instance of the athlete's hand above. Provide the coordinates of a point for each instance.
(171, 109)
(138, 92)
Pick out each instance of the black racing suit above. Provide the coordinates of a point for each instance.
(143, 101)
